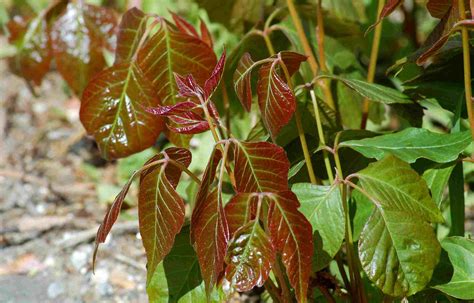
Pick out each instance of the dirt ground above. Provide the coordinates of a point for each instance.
(49, 209)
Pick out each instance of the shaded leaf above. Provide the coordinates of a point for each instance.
(413, 143)
(260, 167)
(275, 99)
(291, 60)
(131, 30)
(387, 9)
(242, 79)
(322, 206)
(372, 91)
(291, 235)
(398, 248)
(160, 208)
(181, 267)
(438, 8)
(113, 110)
(240, 210)
(79, 37)
(437, 178)
(31, 39)
(250, 257)
(461, 254)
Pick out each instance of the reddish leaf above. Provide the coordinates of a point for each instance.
(160, 208)
(170, 50)
(79, 37)
(250, 257)
(441, 33)
(292, 61)
(184, 25)
(242, 79)
(188, 123)
(31, 39)
(187, 86)
(292, 236)
(240, 210)
(209, 230)
(211, 236)
(205, 34)
(169, 110)
(439, 8)
(113, 111)
(131, 30)
(213, 81)
(388, 8)
(275, 99)
(260, 167)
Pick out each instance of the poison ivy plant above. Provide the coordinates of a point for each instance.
(299, 196)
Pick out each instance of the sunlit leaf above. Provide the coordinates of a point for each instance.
(461, 254)
(322, 206)
(413, 143)
(131, 30)
(31, 39)
(160, 208)
(209, 229)
(260, 167)
(79, 37)
(113, 111)
(242, 79)
(398, 248)
(292, 236)
(213, 81)
(250, 257)
(170, 51)
(275, 99)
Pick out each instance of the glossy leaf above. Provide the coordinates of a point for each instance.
(260, 167)
(170, 51)
(398, 248)
(240, 210)
(250, 257)
(275, 98)
(461, 254)
(31, 39)
(242, 77)
(413, 143)
(113, 111)
(322, 206)
(160, 208)
(130, 32)
(291, 234)
(209, 229)
(79, 37)
(181, 267)
(373, 92)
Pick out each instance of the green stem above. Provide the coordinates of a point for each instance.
(309, 52)
(357, 287)
(322, 141)
(372, 63)
(467, 66)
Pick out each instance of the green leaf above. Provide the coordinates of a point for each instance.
(322, 206)
(436, 178)
(182, 267)
(398, 248)
(157, 287)
(413, 143)
(372, 91)
(461, 253)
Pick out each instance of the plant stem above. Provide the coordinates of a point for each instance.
(186, 170)
(357, 288)
(269, 44)
(372, 63)
(279, 274)
(340, 266)
(273, 290)
(467, 66)
(299, 125)
(309, 52)
(322, 141)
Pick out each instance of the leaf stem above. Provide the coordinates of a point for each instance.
(322, 141)
(357, 287)
(186, 170)
(309, 52)
(273, 290)
(467, 66)
(372, 63)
